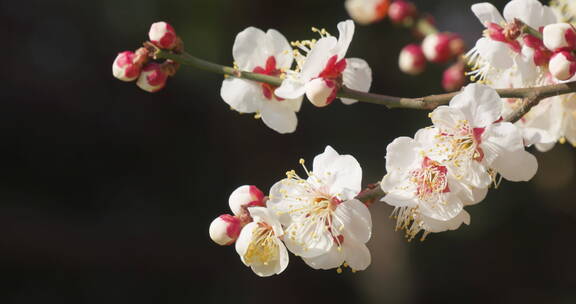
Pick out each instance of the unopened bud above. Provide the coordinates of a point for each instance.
(126, 66)
(412, 60)
(163, 35)
(562, 65)
(321, 92)
(225, 229)
(454, 77)
(244, 197)
(559, 36)
(401, 11)
(441, 47)
(153, 78)
(367, 11)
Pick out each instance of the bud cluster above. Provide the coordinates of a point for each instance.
(225, 229)
(137, 66)
(560, 38)
(436, 47)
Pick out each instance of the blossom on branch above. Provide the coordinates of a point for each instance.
(259, 244)
(324, 69)
(267, 53)
(325, 224)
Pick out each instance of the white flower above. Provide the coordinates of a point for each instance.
(425, 194)
(325, 225)
(326, 61)
(265, 53)
(259, 244)
(498, 51)
(478, 145)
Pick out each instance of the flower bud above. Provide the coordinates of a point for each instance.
(245, 196)
(401, 11)
(559, 36)
(225, 229)
(153, 78)
(454, 77)
(441, 47)
(562, 65)
(321, 92)
(367, 11)
(412, 60)
(126, 67)
(162, 35)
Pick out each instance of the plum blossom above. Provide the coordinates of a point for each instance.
(325, 224)
(324, 70)
(259, 244)
(501, 49)
(479, 144)
(266, 53)
(425, 194)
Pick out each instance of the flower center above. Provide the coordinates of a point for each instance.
(332, 76)
(270, 70)
(263, 249)
(465, 143)
(431, 180)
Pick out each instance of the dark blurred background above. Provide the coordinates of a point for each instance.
(106, 192)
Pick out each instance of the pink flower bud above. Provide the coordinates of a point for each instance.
(562, 65)
(441, 47)
(244, 197)
(126, 67)
(559, 36)
(225, 229)
(454, 77)
(367, 11)
(321, 91)
(412, 60)
(153, 78)
(401, 11)
(162, 35)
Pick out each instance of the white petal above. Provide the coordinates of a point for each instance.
(447, 118)
(317, 58)
(453, 224)
(283, 256)
(346, 29)
(487, 13)
(442, 211)
(338, 172)
(242, 95)
(278, 46)
(402, 153)
(354, 220)
(264, 270)
(400, 199)
(532, 12)
(279, 118)
(244, 240)
(308, 240)
(248, 51)
(499, 138)
(357, 76)
(282, 199)
(291, 89)
(356, 254)
(497, 53)
(480, 104)
(516, 166)
(332, 259)
(264, 215)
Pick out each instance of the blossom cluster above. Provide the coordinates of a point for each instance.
(433, 176)
(509, 56)
(322, 69)
(317, 218)
(150, 76)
